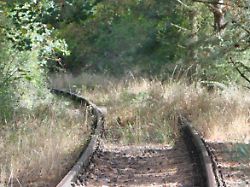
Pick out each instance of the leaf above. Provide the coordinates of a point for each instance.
(28, 78)
(49, 26)
(24, 31)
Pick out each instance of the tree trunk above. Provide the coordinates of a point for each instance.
(218, 9)
(192, 50)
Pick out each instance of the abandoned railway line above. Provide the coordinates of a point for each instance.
(190, 162)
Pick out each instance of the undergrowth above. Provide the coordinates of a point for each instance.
(145, 111)
(40, 145)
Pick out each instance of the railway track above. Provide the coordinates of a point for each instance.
(188, 163)
(142, 166)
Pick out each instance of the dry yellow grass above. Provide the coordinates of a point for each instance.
(38, 147)
(142, 111)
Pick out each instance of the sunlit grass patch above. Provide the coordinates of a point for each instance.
(142, 110)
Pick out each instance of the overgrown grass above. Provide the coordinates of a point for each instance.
(145, 111)
(38, 147)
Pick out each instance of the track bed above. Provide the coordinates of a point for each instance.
(233, 163)
(156, 165)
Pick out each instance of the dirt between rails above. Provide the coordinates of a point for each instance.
(155, 165)
(233, 162)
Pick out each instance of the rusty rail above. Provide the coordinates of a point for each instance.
(206, 164)
(96, 134)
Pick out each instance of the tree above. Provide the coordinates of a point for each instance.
(218, 8)
(223, 34)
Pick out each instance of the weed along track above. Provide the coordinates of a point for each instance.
(186, 163)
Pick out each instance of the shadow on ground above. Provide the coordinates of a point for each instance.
(155, 165)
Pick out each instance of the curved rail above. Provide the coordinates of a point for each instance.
(93, 144)
(206, 164)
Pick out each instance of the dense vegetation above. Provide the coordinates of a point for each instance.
(147, 37)
(205, 41)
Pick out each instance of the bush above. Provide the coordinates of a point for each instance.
(28, 48)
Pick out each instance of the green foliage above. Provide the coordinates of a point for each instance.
(27, 31)
(215, 48)
(77, 10)
(8, 76)
(28, 47)
(129, 35)
(150, 36)
(118, 36)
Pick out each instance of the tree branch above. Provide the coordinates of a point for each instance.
(180, 28)
(239, 71)
(185, 5)
(241, 26)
